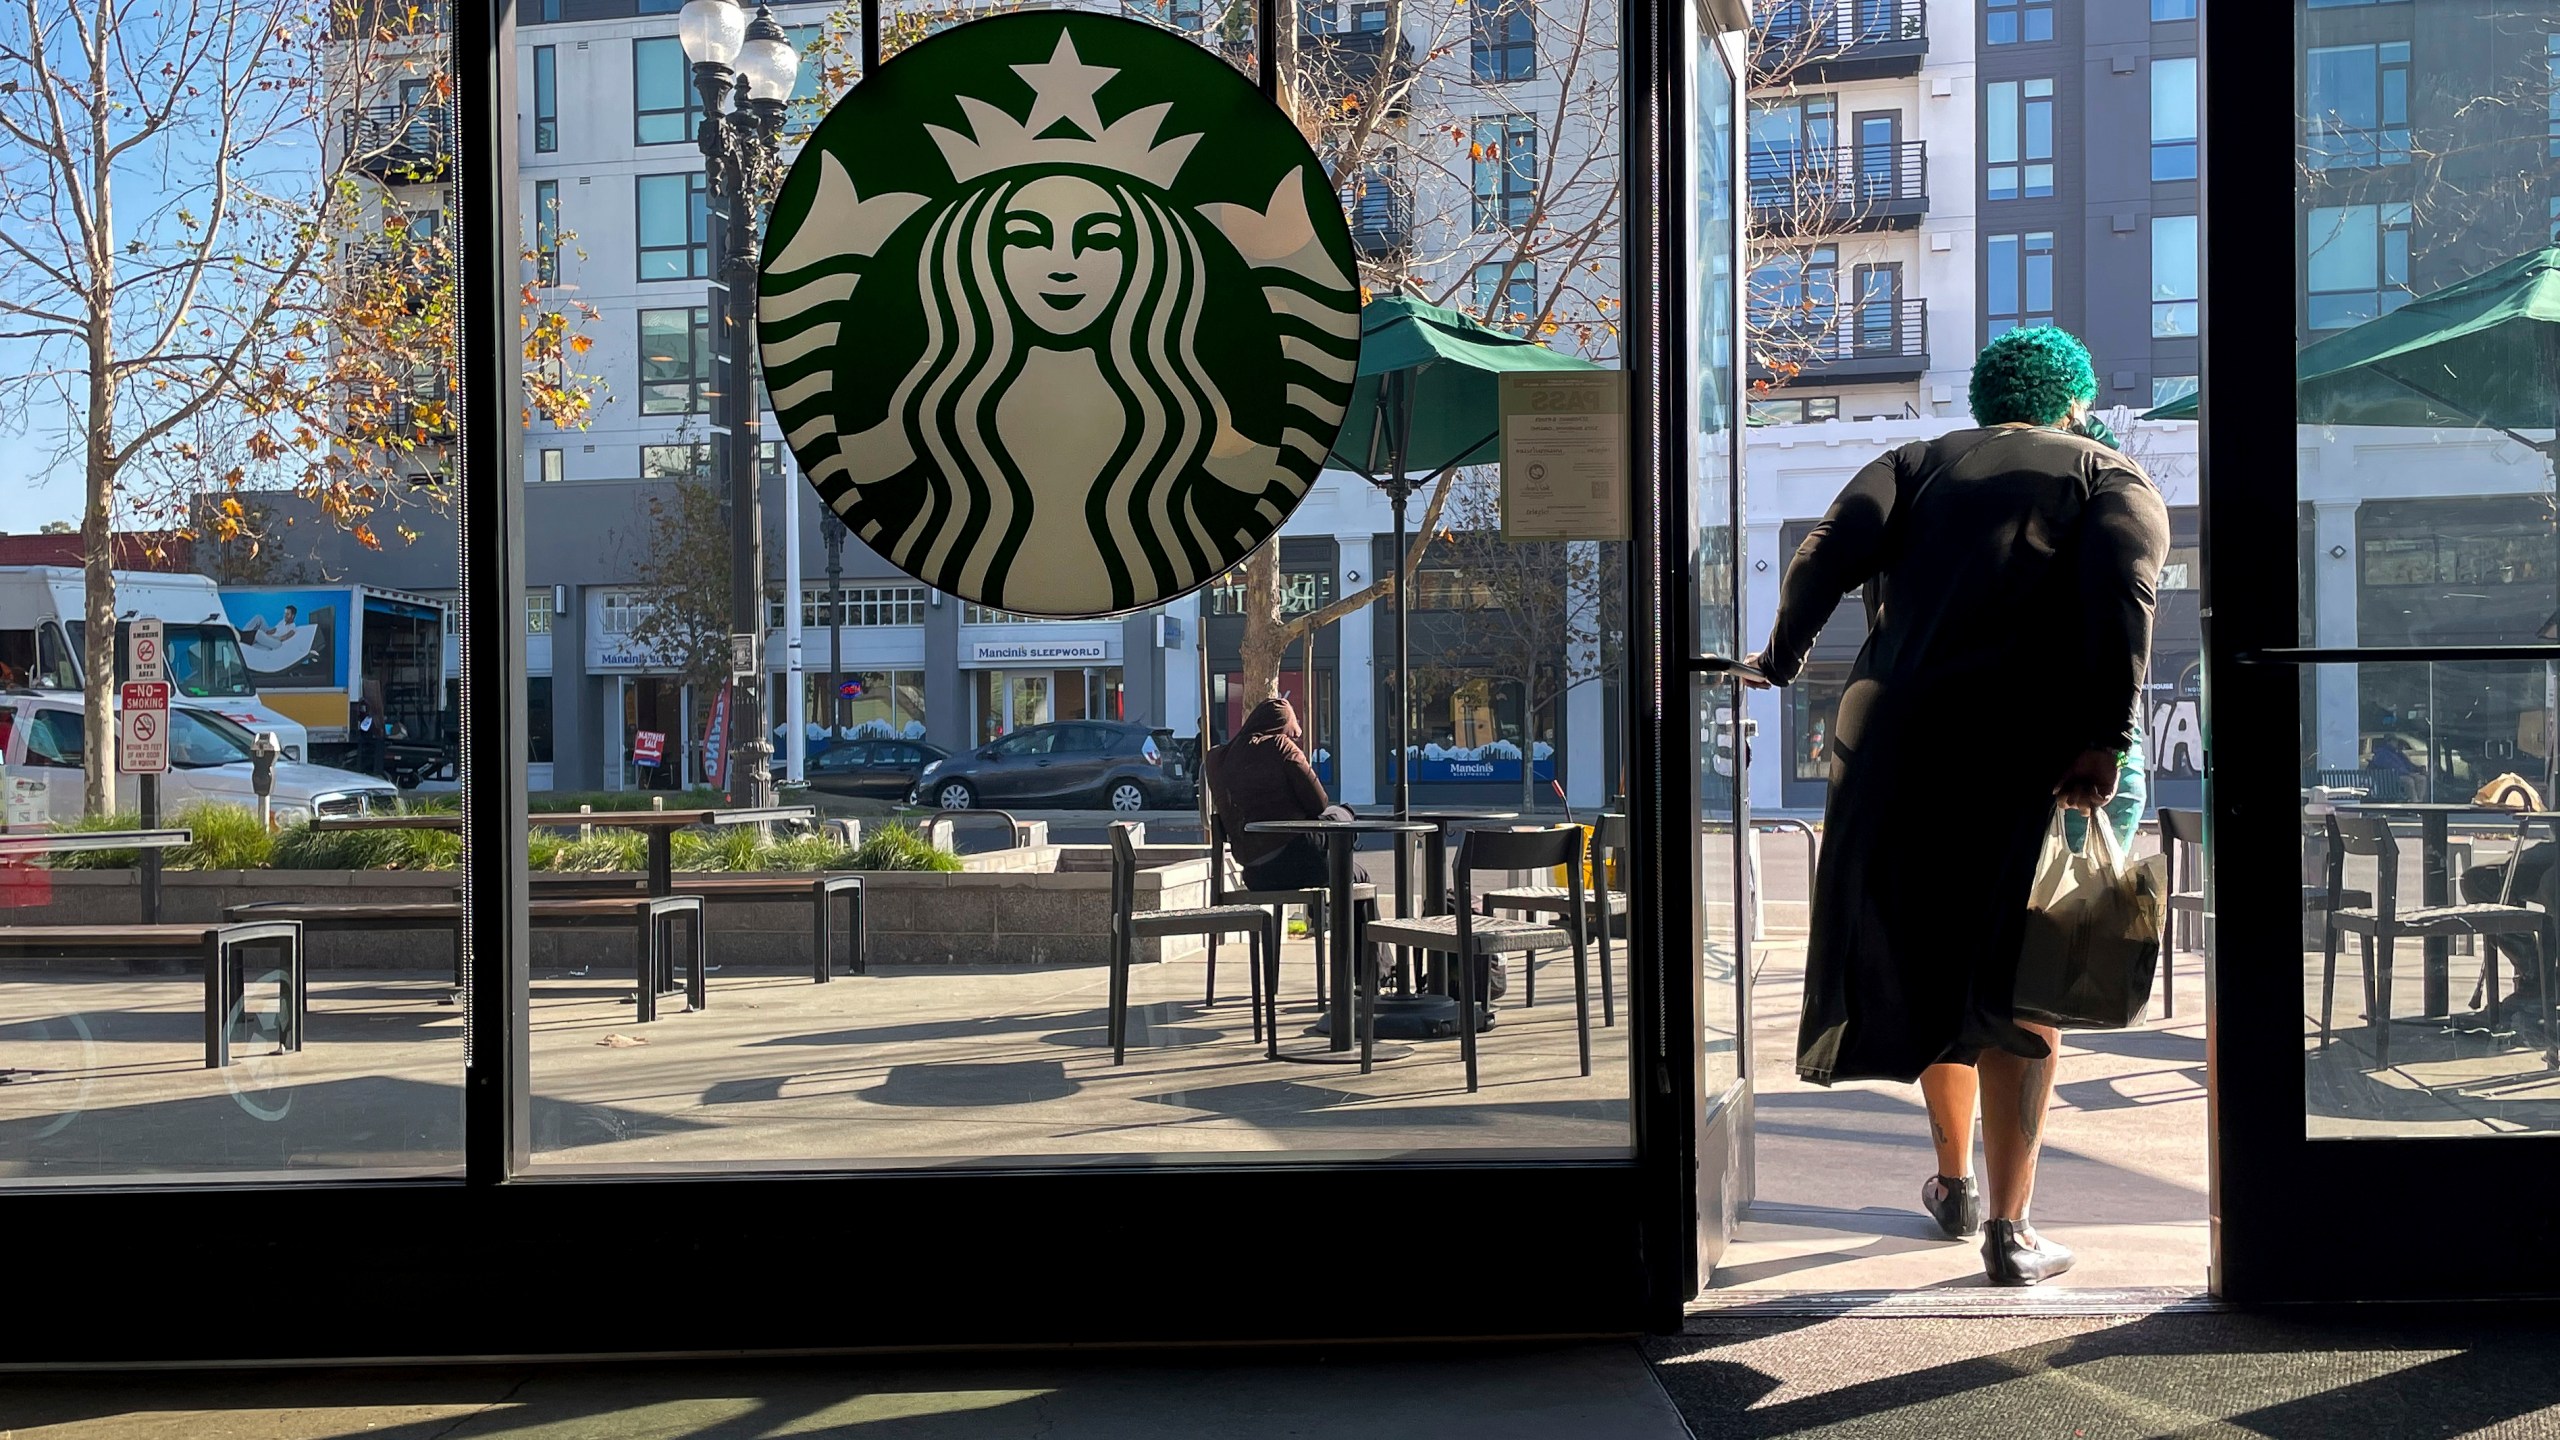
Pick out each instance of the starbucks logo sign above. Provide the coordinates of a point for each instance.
(1059, 314)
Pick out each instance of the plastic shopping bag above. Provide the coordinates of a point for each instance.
(2094, 922)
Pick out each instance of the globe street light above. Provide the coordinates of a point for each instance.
(744, 70)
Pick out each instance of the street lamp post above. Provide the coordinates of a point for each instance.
(744, 71)
(831, 529)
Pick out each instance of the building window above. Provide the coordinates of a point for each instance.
(2173, 276)
(2173, 9)
(1795, 293)
(975, 614)
(2343, 4)
(1792, 143)
(809, 87)
(1302, 592)
(546, 231)
(2168, 388)
(2551, 85)
(675, 360)
(2358, 264)
(2020, 289)
(2019, 141)
(1506, 164)
(675, 462)
(863, 605)
(675, 227)
(2358, 100)
(1805, 411)
(1507, 292)
(552, 467)
(1446, 588)
(2555, 219)
(1506, 41)
(2173, 118)
(537, 612)
(620, 614)
(1368, 17)
(2007, 22)
(546, 100)
(670, 112)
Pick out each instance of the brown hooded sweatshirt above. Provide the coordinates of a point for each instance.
(1261, 774)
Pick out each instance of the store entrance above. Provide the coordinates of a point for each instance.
(654, 705)
(1003, 701)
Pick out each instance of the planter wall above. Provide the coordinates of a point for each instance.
(1045, 905)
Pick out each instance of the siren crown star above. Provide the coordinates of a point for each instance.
(1062, 89)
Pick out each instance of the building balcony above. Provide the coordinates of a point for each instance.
(400, 144)
(1878, 343)
(1348, 60)
(1822, 42)
(419, 418)
(1381, 219)
(1862, 187)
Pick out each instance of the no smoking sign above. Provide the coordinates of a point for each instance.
(142, 728)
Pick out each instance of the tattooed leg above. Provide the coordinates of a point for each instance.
(2015, 1093)
(1950, 1091)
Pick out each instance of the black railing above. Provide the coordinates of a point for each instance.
(418, 417)
(1876, 339)
(1381, 217)
(1812, 39)
(1854, 184)
(400, 143)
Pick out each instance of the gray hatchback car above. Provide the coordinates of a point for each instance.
(1070, 763)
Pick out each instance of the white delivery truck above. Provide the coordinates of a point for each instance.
(313, 651)
(44, 619)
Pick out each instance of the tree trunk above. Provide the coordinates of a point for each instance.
(1528, 751)
(98, 501)
(1265, 646)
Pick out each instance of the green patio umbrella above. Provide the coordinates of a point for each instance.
(2182, 408)
(2483, 352)
(1427, 401)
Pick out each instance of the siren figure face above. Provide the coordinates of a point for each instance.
(1065, 252)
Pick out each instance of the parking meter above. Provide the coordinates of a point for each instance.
(262, 774)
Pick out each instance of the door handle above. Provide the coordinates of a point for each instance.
(1726, 665)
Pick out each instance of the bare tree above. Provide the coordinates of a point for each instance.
(183, 188)
(679, 558)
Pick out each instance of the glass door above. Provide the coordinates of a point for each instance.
(2366, 707)
(1719, 922)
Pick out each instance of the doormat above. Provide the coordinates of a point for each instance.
(1924, 1304)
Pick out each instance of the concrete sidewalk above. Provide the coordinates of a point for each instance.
(1597, 1391)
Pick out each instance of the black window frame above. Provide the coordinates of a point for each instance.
(642, 115)
(699, 378)
(2023, 20)
(2022, 166)
(546, 99)
(546, 232)
(2027, 314)
(1511, 200)
(696, 246)
(1503, 47)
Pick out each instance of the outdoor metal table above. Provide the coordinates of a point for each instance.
(1339, 837)
(660, 825)
(2435, 830)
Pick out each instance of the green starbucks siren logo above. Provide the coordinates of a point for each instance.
(1059, 314)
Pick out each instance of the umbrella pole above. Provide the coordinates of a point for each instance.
(1400, 490)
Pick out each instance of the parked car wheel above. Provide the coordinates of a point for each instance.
(1128, 796)
(954, 795)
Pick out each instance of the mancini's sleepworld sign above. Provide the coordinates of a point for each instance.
(1059, 314)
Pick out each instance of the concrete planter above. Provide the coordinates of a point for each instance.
(1037, 905)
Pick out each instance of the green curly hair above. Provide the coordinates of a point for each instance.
(2034, 375)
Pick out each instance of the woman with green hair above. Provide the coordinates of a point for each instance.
(2010, 572)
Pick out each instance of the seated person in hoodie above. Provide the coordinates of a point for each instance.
(1263, 774)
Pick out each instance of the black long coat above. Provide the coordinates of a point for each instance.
(2015, 571)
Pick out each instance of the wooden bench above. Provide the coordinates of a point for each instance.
(819, 891)
(650, 919)
(225, 976)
